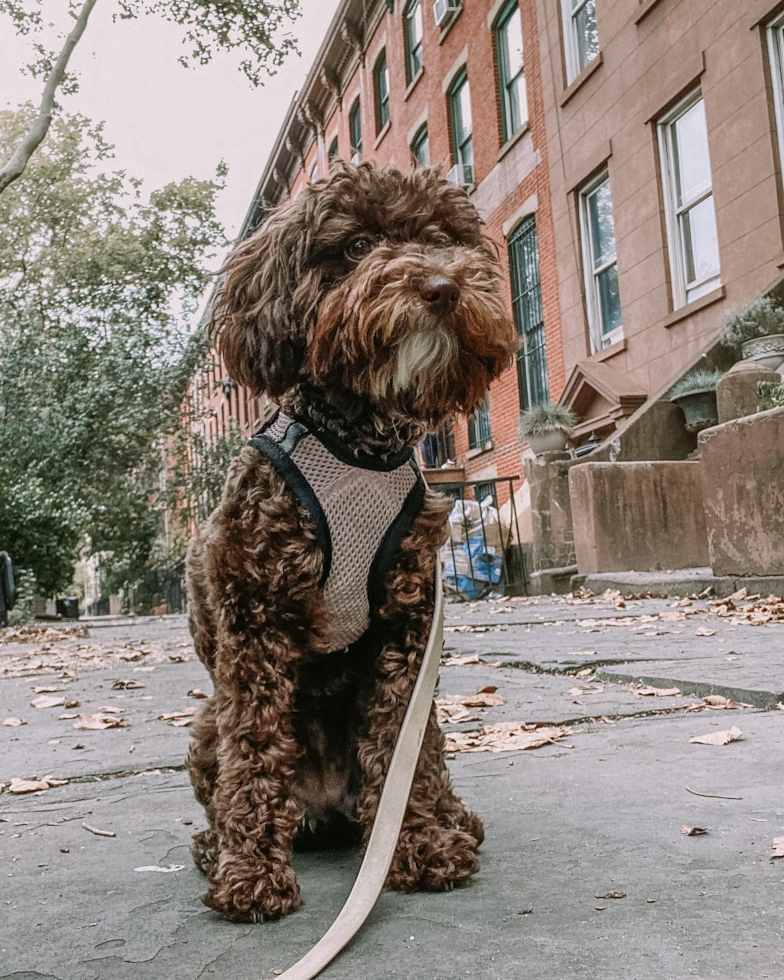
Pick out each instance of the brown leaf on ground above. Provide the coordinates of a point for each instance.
(688, 831)
(482, 699)
(455, 713)
(34, 785)
(69, 716)
(42, 634)
(14, 722)
(719, 701)
(126, 684)
(48, 690)
(98, 722)
(656, 692)
(705, 631)
(461, 661)
(111, 711)
(197, 693)
(506, 736)
(778, 848)
(179, 719)
(611, 895)
(719, 738)
(47, 701)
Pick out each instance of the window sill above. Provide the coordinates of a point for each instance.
(443, 35)
(478, 450)
(513, 140)
(382, 133)
(413, 83)
(646, 6)
(588, 72)
(607, 352)
(695, 306)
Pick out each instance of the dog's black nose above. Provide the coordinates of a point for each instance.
(440, 293)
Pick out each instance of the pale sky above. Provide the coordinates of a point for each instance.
(167, 121)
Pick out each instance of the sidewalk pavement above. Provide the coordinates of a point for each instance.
(597, 813)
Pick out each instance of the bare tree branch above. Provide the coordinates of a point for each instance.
(16, 166)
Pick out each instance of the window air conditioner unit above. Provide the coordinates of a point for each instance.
(444, 9)
(461, 175)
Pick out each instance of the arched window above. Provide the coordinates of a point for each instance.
(420, 147)
(381, 91)
(412, 19)
(355, 131)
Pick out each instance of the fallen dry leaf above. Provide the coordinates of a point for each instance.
(111, 711)
(98, 722)
(157, 867)
(123, 684)
(507, 736)
(68, 716)
(14, 722)
(719, 738)
(719, 701)
(34, 785)
(611, 895)
(47, 701)
(461, 661)
(197, 693)
(688, 831)
(656, 692)
(705, 631)
(179, 719)
(778, 848)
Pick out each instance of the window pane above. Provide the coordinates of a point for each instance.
(690, 150)
(518, 103)
(587, 34)
(609, 299)
(421, 150)
(700, 243)
(512, 34)
(602, 228)
(464, 107)
(416, 24)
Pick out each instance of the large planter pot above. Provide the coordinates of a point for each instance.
(699, 409)
(768, 351)
(553, 441)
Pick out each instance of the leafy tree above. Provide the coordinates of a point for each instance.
(94, 359)
(251, 26)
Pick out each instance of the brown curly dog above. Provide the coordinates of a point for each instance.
(369, 309)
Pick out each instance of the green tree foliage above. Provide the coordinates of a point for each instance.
(96, 284)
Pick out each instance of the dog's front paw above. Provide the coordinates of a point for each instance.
(433, 859)
(269, 894)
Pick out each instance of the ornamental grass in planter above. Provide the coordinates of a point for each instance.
(758, 330)
(547, 427)
(695, 396)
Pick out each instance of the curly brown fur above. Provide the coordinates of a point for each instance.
(353, 339)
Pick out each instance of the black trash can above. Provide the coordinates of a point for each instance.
(68, 608)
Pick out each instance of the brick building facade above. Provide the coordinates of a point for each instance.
(393, 85)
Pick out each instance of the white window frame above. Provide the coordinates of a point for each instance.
(571, 48)
(591, 272)
(683, 292)
(775, 33)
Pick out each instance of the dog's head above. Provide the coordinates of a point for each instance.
(373, 282)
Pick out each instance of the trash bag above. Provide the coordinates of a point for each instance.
(473, 557)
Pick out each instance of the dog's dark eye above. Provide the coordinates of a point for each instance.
(359, 248)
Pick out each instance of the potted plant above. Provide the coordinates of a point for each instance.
(695, 395)
(547, 427)
(758, 329)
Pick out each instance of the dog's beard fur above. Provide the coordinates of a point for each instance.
(375, 335)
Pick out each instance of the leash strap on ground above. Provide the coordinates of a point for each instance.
(391, 809)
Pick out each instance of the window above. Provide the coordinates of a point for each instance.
(601, 272)
(776, 49)
(509, 52)
(479, 426)
(581, 37)
(528, 315)
(461, 127)
(413, 27)
(333, 150)
(381, 87)
(355, 132)
(313, 175)
(438, 448)
(420, 148)
(688, 195)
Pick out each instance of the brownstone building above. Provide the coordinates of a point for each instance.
(459, 85)
(664, 146)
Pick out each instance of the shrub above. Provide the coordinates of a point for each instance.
(770, 394)
(538, 419)
(695, 381)
(761, 318)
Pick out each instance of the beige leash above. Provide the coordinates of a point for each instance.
(391, 809)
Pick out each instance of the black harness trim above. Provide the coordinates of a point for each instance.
(301, 489)
(365, 461)
(396, 534)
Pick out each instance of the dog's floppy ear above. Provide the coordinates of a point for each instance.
(258, 319)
